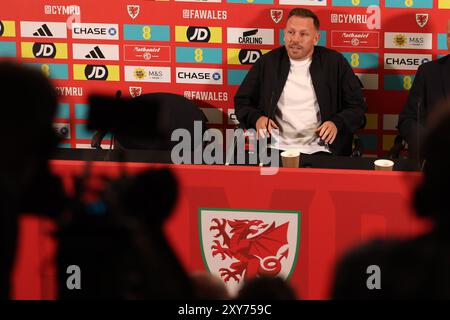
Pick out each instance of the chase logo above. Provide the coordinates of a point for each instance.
(199, 55)
(362, 60)
(398, 82)
(98, 31)
(244, 56)
(142, 32)
(44, 50)
(198, 34)
(409, 4)
(203, 76)
(43, 29)
(7, 28)
(405, 61)
(96, 72)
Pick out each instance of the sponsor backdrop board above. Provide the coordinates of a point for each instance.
(202, 49)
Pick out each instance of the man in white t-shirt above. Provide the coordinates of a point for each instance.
(308, 92)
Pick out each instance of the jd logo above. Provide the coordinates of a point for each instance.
(239, 245)
(74, 280)
(44, 50)
(198, 34)
(249, 56)
(2, 28)
(93, 72)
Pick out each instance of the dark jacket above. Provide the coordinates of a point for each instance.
(431, 87)
(338, 92)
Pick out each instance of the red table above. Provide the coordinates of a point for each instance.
(338, 209)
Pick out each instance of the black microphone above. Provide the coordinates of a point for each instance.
(100, 134)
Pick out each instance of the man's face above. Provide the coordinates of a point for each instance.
(300, 37)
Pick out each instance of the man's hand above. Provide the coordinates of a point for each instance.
(327, 132)
(262, 126)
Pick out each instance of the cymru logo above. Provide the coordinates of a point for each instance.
(135, 91)
(239, 245)
(133, 10)
(421, 19)
(276, 15)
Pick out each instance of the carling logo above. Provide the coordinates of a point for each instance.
(250, 36)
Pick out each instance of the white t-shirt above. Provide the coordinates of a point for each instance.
(298, 113)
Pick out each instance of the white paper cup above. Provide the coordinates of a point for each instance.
(384, 165)
(290, 159)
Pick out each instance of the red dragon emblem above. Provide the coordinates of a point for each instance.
(254, 244)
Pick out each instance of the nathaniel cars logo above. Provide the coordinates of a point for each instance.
(394, 40)
(95, 31)
(147, 53)
(203, 76)
(355, 39)
(405, 61)
(43, 29)
(250, 36)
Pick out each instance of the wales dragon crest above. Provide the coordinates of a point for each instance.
(239, 245)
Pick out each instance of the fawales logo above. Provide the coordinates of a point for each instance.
(421, 19)
(133, 10)
(135, 91)
(239, 245)
(276, 15)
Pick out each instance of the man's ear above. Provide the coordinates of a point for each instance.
(317, 38)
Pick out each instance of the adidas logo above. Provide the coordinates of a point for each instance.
(43, 31)
(95, 54)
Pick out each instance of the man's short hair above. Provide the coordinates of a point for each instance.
(305, 13)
